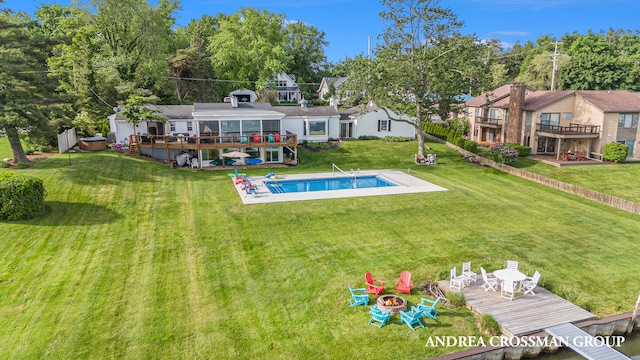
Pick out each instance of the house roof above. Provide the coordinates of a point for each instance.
(356, 111)
(536, 100)
(307, 111)
(174, 111)
(336, 80)
(612, 100)
(490, 96)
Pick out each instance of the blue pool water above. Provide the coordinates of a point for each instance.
(326, 184)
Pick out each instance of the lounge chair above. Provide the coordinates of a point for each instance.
(412, 318)
(428, 307)
(404, 284)
(373, 288)
(358, 297)
(379, 318)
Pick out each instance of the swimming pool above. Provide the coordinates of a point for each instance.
(326, 184)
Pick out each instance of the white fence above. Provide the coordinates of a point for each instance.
(67, 140)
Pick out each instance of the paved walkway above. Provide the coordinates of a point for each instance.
(526, 314)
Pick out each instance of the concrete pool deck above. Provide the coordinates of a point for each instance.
(406, 184)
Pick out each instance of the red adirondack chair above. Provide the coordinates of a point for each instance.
(404, 284)
(371, 283)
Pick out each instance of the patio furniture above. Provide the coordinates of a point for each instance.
(428, 307)
(358, 297)
(256, 138)
(509, 275)
(580, 156)
(249, 188)
(404, 284)
(508, 290)
(375, 289)
(530, 283)
(194, 163)
(490, 282)
(379, 318)
(270, 138)
(512, 264)
(466, 271)
(276, 137)
(412, 318)
(457, 282)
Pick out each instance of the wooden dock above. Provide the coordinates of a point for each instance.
(526, 314)
(584, 344)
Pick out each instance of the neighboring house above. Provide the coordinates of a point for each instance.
(552, 122)
(244, 95)
(287, 89)
(263, 131)
(325, 87)
(371, 121)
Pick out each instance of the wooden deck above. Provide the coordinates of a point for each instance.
(526, 314)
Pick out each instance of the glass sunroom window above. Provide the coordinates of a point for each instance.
(251, 126)
(230, 127)
(628, 121)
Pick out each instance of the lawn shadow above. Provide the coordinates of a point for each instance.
(59, 213)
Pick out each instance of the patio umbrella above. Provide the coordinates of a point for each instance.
(235, 154)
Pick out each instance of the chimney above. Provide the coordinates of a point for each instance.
(234, 102)
(304, 103)
(516, 116)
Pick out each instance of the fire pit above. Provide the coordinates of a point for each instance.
(393, 302)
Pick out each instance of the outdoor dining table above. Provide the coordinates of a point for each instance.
(510, 275)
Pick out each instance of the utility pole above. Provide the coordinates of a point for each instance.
(555, 67)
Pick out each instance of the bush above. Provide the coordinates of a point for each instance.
(456, 299)
(368, 137)
(503, 154)
(489, 325)
(615, 152)
(460, 141)
(5, 164)
(396, 139)
(471, 146)
(22, 165)
(21, 196)
(523, 151)
(29, 151)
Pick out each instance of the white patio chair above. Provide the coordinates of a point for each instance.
(508, 289)
(490, 281)
(466, 271)
(530, 283)
(194, 163)
(457, 282)
(512, 265)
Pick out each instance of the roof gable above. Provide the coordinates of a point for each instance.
(612, 100)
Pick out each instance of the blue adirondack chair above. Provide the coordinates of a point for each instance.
(412, 318)
(358, 297)
(270, 138)
(428, 307)
(379, 318)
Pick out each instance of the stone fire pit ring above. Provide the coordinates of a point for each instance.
(393, 302)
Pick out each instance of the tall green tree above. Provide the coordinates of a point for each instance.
(26, 91)
(305, 46)
(249, 47)
(424, 63)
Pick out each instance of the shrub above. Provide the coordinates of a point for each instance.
(22, 165)
(396, 139)
(21, 196)
(460, 141)
(489, 325)
(471, 146)
(368, 137)
(29, 151)
(523, 151)
(615, 152)
(503, 154)
(5, 164)
(44, 148)
(456, 299)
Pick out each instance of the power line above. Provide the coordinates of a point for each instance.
(223, 80)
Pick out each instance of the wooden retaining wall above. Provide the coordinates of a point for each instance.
(613, 201)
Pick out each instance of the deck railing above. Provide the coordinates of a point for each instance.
(214, 140)
(572, 129)
(488, 120)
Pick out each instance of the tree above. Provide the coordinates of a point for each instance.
(249, 47)
(136, 111)
(305, 46)
(25, 89)
(424, 63)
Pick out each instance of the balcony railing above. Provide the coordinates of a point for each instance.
(489, 121)
(214, 140)
(572, 129)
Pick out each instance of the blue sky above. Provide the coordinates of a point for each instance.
(349, 23)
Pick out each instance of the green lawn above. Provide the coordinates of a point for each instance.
(137, 260)
(619, 180)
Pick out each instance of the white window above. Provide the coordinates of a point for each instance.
(189, 125)
(628, 121)
(282, 83)
(384, 125)
(317, 127)
(550, 119)
(172, 125)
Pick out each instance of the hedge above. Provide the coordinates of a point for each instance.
(21, 196)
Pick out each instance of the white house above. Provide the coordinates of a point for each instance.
(288, 90)
(370, 120)
(325, 87)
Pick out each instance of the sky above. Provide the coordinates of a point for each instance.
(349, 24)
